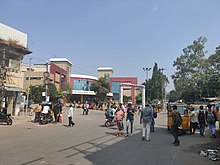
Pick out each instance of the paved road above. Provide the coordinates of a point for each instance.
(90, 143)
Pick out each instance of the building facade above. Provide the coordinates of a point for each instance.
(106, 72)
(81, 85)
(35, 76)
(116, 82)
(13, 48)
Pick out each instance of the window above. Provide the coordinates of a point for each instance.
(82, 85)
(34, 78)
(116, 87)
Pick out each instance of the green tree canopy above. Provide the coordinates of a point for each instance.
(101, 88)
(197, 76)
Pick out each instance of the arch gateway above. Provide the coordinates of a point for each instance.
(123, 85)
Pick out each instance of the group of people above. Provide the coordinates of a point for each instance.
(198, 120)
(50, 110)
(202, 118)
(147, 116)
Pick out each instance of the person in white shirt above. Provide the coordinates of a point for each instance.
(46, 109)
(70, 116)
(193, 116)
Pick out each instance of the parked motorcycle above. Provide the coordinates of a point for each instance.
(109, 121)
(5, 118)
(46, 118)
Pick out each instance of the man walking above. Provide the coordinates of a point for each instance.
(176, 120)
(145, 119)
(193, 116)
(201, 120)
(70, 116)
(211, 120)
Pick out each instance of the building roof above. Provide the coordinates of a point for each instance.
(10, 34)
(83, 76)
(60, 60)
(104, 68)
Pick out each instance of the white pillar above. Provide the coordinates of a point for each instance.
(121, 94)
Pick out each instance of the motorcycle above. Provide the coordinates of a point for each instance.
(109, 121)
(46, 118)
(5, 118)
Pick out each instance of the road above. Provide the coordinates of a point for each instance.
(90, 143)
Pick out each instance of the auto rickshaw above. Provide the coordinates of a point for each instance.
(182, 109)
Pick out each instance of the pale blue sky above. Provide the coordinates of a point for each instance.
(126, 35)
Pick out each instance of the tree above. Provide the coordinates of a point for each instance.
(52, 92)
(154, 84)
(65, 91)
(190, 68)
(37, 90)
(138, 97)
(212, 76)
(172, 96)
(101, 88)
(36, 93)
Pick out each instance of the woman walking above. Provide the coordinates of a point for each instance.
(119, 115)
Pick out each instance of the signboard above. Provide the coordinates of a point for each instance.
(81, 92)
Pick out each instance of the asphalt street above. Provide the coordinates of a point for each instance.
(89, 142)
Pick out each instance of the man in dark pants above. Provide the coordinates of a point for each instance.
(129, 119)
(174, 126)
(55, 112)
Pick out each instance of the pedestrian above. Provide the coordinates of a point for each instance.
(56, 112)
(176, 120)
(153, 119)
(130, 119)
(211, 120)
(145, 119)
(193, 117)
(59, 111)
(119, 115)
(38, 110)
(70, 116)
(201, 120)
(86, 108)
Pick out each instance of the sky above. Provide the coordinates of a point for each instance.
(127, 35)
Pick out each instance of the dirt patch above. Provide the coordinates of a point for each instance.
(214, 144)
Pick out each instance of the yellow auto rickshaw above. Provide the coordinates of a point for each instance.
(182, 109)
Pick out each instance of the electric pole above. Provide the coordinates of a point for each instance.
(2, 78)
(162, 93)
(28, 90)
(146, 80)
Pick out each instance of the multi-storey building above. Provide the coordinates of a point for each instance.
(106, 72)
(58, 70)
(13, 48)
(81, 85)
(116, 82)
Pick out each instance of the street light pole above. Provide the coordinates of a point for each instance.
(146, 80)
(161, 79)
(28, 90)
(2, 78)
(46, 92)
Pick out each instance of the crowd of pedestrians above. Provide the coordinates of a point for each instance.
(120, 114)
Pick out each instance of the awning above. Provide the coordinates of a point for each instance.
(14, 89)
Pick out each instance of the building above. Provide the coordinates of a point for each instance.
(81, 85)
(116, 82)
(65, 64)
(13, 48)
(53, 72)
(106, 72)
